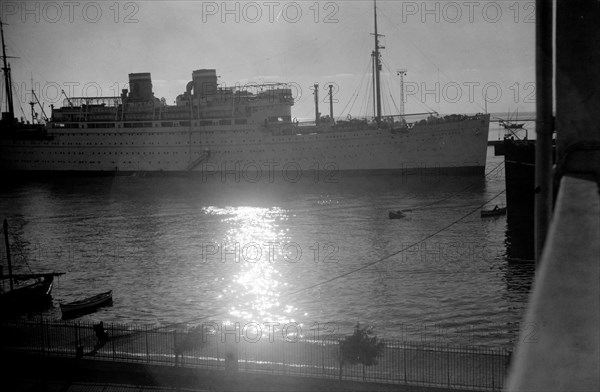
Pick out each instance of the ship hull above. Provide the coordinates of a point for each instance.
(445, 146)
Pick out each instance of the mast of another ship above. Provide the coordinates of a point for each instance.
(10, 274)
(7, 81)
(377, 66)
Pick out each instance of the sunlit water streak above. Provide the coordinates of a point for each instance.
(183, 250)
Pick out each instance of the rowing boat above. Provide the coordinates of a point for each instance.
(87, 305)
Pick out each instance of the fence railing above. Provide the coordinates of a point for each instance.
(417, 363)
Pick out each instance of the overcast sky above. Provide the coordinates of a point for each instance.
(453, 51)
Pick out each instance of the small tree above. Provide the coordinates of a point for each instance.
(361, 347)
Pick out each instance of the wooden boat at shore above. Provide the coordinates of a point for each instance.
(25, 291)
(86, 305)
(31, 295)
(496, 211)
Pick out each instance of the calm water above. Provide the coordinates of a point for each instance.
(192, 249)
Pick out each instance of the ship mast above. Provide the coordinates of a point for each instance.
(10, 273)
(377, 67)
(316, 94)
(402, 73)
(7, 81)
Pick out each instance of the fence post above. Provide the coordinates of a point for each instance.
(218, 359)
(42, 335)
(448, 363)
(283, 352)
(147, 350)
(424, 360)
(404, 361)
(323, 358)
(493, 373)
(472, 367)
(112, 340)
(175, 347)
(78, 346)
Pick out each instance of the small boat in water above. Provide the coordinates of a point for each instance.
(496, 211)
(396, 214)
(87, 305)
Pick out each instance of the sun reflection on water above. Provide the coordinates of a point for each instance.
(254, 242)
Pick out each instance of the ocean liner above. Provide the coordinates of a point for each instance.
(212, 128)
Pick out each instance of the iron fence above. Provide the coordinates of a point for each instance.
(416, 363)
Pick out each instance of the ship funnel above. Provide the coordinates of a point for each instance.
(205, 82)
(141, 86)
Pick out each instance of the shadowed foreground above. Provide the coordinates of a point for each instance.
(48, 373)
(191, 358)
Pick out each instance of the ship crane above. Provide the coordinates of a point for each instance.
(45, 117)
(68, 100)
(34, 100)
